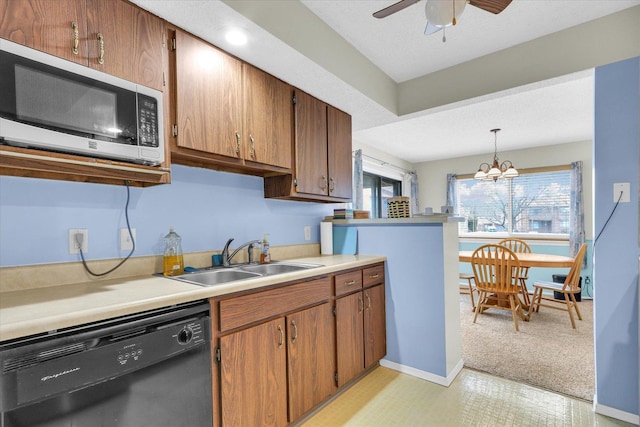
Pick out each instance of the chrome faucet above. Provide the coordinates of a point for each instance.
(226, 258)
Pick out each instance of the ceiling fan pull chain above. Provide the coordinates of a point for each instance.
(453, 22)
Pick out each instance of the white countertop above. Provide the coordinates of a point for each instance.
(34, 311)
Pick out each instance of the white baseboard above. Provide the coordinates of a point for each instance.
(424, 374)
(615, 413)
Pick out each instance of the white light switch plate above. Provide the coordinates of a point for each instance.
(307, 233)
(625, 188)
(125, 240)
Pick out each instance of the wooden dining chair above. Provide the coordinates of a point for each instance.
(496, 269)
(520, 246)
(568, 289)
(471, 287)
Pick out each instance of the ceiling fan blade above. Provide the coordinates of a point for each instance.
(493, 6)
(396, 7)
(430, 29)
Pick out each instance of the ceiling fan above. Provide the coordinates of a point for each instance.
(443, 13)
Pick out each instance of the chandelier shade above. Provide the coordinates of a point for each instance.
(496, 169)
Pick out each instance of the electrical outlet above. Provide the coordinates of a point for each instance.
(625, 189)
(125, 240)
(307, 232)
(73, 244)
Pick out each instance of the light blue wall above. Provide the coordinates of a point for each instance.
(205, 207)
(616, 159)
(415, 304)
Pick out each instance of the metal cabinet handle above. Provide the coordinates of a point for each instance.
(100, 49)
(332, 185)
(76, 38)
(360, 304)
(252, 149)
(237, 143)
(295, 331)
(281, 342)
(368, 301)
(374, 276)
(323, 183)
(350, 282)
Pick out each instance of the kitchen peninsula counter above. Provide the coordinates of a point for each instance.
(40, 310)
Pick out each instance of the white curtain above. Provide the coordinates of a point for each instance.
(576, 222)
(410, 189)
(357, 180)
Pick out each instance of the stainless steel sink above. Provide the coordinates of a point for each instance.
(277, 268)
(216, 277)
(221, 275)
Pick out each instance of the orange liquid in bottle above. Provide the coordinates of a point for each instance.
(173, 265)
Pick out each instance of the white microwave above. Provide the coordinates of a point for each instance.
(54, 104)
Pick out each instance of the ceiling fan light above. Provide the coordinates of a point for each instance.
(441, 12)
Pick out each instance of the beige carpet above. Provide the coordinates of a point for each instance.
(546, 352)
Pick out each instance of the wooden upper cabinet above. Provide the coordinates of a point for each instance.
(268, 113)
(47, 25)
(322, 151)
(339, 153)
(125, 41)
(131, 37)
(311, 145)
(208, 98)
(236, 116)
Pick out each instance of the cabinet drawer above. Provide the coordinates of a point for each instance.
(246, 309)
(373, 275)
(348, 282)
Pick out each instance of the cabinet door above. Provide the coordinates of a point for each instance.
(253, 376)
(349, 337)
(125, 41)
(268, 112)
(375, 334)
(339, 153)
(208, 92)
(311, 360)
(311, 145)
(47, 25)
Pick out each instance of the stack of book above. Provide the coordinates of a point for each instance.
(343, 214)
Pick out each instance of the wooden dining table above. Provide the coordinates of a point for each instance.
(530, 260)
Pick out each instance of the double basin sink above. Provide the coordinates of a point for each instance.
(222, 275)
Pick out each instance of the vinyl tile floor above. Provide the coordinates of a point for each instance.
(386, 398)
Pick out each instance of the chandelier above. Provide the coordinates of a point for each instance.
(496, 170)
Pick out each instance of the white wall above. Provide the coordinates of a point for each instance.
(432, 176)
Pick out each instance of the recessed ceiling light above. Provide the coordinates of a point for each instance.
(236, 37)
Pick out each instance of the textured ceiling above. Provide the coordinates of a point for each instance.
(549, 112)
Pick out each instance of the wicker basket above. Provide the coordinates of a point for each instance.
(398, 207)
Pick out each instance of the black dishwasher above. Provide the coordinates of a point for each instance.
(148, 369)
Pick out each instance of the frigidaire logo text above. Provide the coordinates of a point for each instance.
(59, 374)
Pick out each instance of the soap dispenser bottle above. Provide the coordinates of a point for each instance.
(265, 255)
(173, 260)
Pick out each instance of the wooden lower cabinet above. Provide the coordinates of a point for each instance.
(278, 350)
(253, 376)
(350, 337)
(311, 361)
(361, 327)
(375, 332)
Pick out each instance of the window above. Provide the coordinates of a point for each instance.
(534, 202)
(376, 191)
